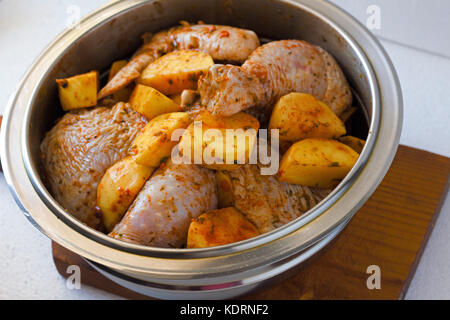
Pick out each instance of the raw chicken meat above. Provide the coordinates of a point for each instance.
(79, 149)
(273, 70)
(161, 214)
(269, 203)
(221, 42)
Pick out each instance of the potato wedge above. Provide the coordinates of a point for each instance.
(284, 146)
(155, 143)
(176, 98)
(299, 116)
(316, 162)
(124, 93)
(353, 142)
(220, 227)
(79, 91)
(151, 103)
(118, 188)
(224, 189)
(207, 142)
(115, 68)
(176, 71)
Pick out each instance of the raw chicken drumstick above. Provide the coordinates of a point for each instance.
(161, 213)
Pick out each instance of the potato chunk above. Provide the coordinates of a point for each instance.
(207, 137)
(320, 163)
(79, 91)
(151, 103)
(124, 93)
(118, 188)
(176, 98)
(220, 227)
(353, 142)
(299, 116)
(224, 189)
(155, 143)
(176, 71)
(115, 68)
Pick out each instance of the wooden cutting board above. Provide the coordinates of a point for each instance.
(390, 231)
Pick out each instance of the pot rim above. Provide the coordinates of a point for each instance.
(23, 178)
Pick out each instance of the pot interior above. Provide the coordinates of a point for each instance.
(119, 36)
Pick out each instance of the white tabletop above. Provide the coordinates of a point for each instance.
(415, 40)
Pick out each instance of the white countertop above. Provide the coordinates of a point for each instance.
(414, 44)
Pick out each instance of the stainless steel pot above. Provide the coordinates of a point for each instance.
(112, 32)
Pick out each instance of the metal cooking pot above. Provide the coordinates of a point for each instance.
(113, 32)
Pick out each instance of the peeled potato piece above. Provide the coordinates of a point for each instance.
(155, 143)
(151, 103)
(353, 142)
(79, 91)
(299, 116)
(234, 151)
(115, 68)
(176, 98)
(118, 188)
(319, 163)
(176, 71)
(224, 189)
(220, 227)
